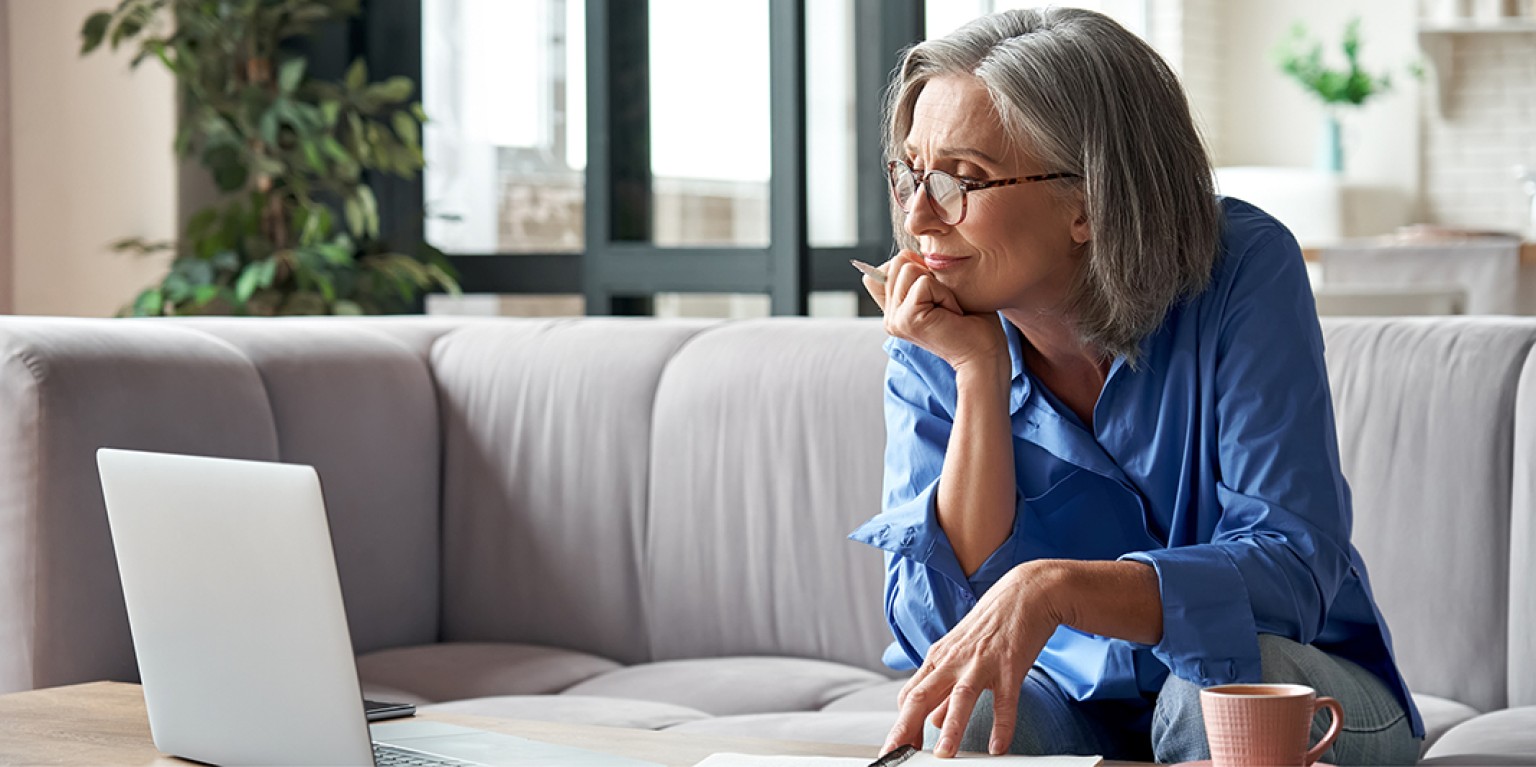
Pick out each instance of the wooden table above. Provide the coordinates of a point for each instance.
(105, 723)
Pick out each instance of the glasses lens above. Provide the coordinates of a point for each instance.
(903, 184)
(947, 195)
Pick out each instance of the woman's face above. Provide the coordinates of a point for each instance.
(1015, 248)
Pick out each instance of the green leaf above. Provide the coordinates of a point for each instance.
(150, 303)
(196, 271)
(290, 75)
(131, 24)
(370, 206)
(246, 285)
(160, 52)
(177, 288)
(225, 261)
(393, 90)
(444, 280)
(92, 33)
(340, 255)
(336, 151)
(228, 171)
(353, 210)
(407, 129)
(183, 140)
(329, 109)
(270, 125)
(268, 272)
(357, 75)
(346, 307)
(205, 294)
(312, 156)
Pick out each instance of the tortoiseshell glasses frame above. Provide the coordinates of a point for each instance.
(947, 193)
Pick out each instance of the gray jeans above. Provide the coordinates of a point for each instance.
(1376, 729)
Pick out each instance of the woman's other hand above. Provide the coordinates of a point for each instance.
(992, 648)
(920, 309)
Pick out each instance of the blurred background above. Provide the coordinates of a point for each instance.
(720, 157)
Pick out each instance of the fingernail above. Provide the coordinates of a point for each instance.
(997, 748)
(945, 746)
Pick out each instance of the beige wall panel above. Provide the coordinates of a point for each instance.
(6, 230)
(91, 163)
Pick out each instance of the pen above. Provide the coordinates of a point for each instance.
(900, 753)
(872, 272)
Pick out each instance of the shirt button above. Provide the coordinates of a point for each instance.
(1231, 669)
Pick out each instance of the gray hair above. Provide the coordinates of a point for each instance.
(1092, 99)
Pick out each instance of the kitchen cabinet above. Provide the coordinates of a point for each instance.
(1439, 41)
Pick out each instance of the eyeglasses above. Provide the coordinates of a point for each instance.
(946, 194)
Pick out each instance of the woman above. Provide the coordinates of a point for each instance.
(1112, 475)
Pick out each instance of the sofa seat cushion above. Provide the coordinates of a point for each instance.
(1440, 715)
(865, 728)
(458, 670)
(880, 697)
(1498, 738)
(388, 694)
(741, 685)
(574, 709)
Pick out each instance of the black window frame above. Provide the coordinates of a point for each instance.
(619, 269)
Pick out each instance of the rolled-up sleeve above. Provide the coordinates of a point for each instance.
(926, 590)
(1278, 552)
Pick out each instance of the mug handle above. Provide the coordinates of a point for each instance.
(1333, 729)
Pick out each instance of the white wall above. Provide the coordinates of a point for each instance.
(91, 162)
(1267, 119)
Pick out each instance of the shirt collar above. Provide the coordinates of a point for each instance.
(1037, 421)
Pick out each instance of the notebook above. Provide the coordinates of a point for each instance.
(238, 624)
(920, 759)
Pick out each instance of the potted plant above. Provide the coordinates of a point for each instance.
(1301, 58)
(297, 231)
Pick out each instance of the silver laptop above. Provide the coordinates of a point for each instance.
(239, 628)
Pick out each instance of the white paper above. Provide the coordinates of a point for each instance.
(920, 759)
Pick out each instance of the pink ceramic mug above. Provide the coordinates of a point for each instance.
(1264, 725)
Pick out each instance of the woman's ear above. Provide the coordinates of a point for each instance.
(1082, 232)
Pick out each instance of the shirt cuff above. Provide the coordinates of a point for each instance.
(1209, 635)
(912, 530)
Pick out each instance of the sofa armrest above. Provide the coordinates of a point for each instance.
(67, 388)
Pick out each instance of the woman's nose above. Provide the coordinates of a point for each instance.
(922, 218)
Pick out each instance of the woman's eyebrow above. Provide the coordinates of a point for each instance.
(956, 152)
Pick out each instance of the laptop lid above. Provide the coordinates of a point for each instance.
(235, 609)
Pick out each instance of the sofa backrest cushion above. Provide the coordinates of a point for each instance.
(354, 398)
(766, 453)
(1426, 429)
(546, 449)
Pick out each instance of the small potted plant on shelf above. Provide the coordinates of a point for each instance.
(297, 231)
(1301, 58)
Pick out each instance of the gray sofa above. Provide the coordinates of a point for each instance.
(642, 522)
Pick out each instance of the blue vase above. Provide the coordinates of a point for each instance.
(1330, 151)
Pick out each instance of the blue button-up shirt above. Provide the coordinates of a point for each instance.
(1214, 460)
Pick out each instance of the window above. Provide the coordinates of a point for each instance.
(709, 126)
(503, 82)
(627, 152)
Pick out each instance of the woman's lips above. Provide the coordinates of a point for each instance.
(939, 262)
